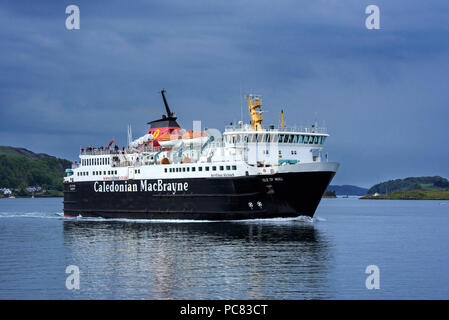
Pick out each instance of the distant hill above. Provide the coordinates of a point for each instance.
(412, 195)
(412, 183)
(12, 151)
(20, 168)
(348, 190)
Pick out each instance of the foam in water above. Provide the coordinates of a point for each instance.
(60, 215)
(304, 219)
(35, 214)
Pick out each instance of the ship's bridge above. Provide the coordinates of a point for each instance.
(277, 145)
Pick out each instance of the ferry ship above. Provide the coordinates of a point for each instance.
(247, 172)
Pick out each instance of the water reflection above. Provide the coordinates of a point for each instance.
(221, 260)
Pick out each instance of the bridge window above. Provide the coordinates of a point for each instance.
(316, 139)
(281, 138)
(234, 167)
(193, 169)
(228, 167)
(306, 139)
(221, 168)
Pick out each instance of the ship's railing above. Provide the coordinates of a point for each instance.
(99, 152)
(297, 129)
(127, 163)
(303, 129)
(148, 149)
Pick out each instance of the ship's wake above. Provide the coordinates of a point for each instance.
(60, 215)
(32, 214)
(302, 219)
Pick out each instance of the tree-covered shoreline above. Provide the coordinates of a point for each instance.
(409, 184)
(21, 170)
(411, 195)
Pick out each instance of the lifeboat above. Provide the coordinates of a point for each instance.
(188, 138)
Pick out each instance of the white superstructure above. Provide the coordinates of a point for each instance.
(243, 149)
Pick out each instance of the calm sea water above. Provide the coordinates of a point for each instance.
(323, 258)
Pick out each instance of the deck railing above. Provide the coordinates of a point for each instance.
(296, 129)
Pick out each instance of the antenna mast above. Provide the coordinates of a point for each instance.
(254, 105)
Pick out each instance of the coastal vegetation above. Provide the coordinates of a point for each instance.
(25, 173)
(411, 195)
(413, 188)
(409, 184)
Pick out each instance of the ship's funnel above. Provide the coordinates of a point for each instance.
(167, 124)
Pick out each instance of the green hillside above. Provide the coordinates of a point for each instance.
(413, 183)
(412, 195)
(12, 151)
(20, 168)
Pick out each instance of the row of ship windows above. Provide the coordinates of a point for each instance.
(95, 161)
(185, 169)
(292, 138)
(206, 168)
(96, 173)
(283, 138)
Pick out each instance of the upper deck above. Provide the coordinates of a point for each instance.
(243, 127)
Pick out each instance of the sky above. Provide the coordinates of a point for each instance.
(383, 94)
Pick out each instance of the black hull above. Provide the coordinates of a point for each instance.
(231, 198)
